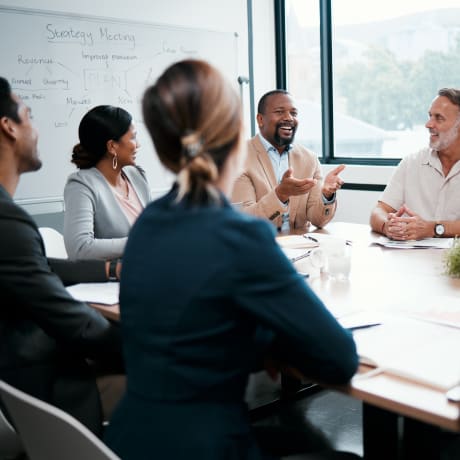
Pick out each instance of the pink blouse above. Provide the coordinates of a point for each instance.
(130, 204)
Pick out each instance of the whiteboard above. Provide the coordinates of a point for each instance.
(62, 65)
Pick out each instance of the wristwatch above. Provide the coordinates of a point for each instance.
(439, 230)
(113, 270)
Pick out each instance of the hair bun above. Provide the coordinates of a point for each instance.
(81, 158)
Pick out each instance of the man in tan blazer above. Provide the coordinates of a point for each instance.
(281, 181)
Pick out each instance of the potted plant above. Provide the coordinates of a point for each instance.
(452, 259)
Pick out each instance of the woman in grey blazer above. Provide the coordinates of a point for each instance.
(103, 199)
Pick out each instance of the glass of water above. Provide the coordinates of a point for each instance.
(338, 255)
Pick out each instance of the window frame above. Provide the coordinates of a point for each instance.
(327, 95)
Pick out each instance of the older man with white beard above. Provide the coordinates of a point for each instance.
(422, 199)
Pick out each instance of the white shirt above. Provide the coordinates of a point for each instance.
(420, 184)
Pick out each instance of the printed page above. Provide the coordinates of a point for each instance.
(443, 310)
(103, 293)
(296, 242)
(416, 350)
(360, 319)
(439, 243)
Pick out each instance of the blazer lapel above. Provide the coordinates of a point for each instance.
(264, 160)
(296, 165)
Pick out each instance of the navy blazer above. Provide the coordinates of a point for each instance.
(205, 293)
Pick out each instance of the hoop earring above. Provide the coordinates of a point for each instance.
(114, 161)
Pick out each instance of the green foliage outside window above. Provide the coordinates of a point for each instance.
(396, 94)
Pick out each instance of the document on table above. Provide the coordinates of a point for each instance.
(296, 242)
(294, 254)
(104, 293)
(443, 310)
(416, 350)
(360, 319)
(439, 243)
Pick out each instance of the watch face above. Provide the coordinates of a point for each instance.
(439, 229)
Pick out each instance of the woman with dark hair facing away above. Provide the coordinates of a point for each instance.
(206, 292)
(106, 195)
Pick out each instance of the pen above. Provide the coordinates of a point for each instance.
(362, 326)
(302, 256)
(308, 237)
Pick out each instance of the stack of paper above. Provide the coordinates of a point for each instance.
(296, 247)
(412, 349)
(296, 242)
(443, 310)
(103, 293)
(439, 243)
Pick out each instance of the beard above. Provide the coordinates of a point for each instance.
(32, 163)
(282, 141)
(37, 164)
(444, 140)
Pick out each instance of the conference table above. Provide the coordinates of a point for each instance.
(401, 418)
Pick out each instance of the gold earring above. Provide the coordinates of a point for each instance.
(114, 161)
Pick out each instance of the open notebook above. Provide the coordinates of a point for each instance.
(416, 350)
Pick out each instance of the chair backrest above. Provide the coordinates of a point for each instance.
(48, 432)
(54, 243)
(10, 444)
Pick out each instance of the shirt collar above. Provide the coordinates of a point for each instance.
(431, 158)
(268, 146)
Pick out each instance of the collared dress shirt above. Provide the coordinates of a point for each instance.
(420, 184)
(280, 164)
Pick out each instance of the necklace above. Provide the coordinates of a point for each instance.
(122, 188)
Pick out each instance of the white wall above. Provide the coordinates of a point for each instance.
(356, 205)
(226, 16)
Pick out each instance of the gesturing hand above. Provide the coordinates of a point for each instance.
(290, 186)
(332, 182)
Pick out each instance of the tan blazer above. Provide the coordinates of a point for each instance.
(254, 190)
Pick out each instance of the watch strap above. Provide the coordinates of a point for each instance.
(113, 270)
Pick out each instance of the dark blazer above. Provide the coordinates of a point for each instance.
(206, 292)
(45, 335)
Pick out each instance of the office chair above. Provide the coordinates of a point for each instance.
(54, 243)
(10, 444)
(49, 433)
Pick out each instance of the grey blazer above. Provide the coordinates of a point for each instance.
(95, 226)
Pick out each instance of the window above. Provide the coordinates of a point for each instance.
(388, 61)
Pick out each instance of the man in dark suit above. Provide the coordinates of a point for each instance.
(46, 336)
